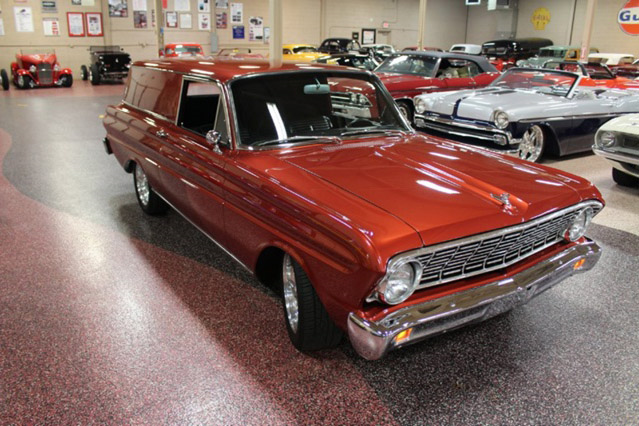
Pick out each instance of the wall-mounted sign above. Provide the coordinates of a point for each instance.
(238, 31)
(540, 18)
(50, 27)
(94, 24)
(75, 23)
(118, 8)
(24, 19)
(628, 17)
(49, 6)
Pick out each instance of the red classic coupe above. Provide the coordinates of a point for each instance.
(312, 179)
(37, 70)
(407, 75)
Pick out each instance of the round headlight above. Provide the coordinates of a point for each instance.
(578, 227)
(501, 119)
(32, 68)
(420, 105)
(400, 282)
(606, 139)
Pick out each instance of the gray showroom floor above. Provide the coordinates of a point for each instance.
(110, 316)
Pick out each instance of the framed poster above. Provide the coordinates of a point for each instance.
(203, 21)
(51, 27)
(75, 21)
(256, 28)
(49, 6)
(171, 19)
(368, 35)
(140, 19)
(118, 8)
(238, 31)
(222, 4)
(203, 6)
(94, 24)
(221, 20)
(182, 5)
(186, 20)
(24, 19)
(237, 13)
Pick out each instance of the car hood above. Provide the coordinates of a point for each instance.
(480, 104)
(625, 124)
(35, 59)
(442, 189)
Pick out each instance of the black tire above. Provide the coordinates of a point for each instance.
(149, 201)
(67, 80)
(624, 179)
(407, 110)
(95, 75)
(84, 73)
(23, 82)
(4, 79)
(314, 329)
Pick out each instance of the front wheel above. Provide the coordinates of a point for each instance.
(624, 179)
(149, 201)
(407, 110)
(532, 145)
(94, 75)
(4, 80)
(67, 80)
(23, 82)
(308, 324)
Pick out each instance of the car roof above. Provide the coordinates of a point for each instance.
(226, 69)
(293, 46)
(445, 55)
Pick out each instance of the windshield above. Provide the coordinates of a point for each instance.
(406, 64)
(188, 49)
(323, 106)
(541, 81)
(305, 49)
(551, 53)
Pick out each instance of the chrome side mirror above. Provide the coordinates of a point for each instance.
(213, 137)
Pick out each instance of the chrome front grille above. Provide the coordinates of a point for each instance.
(45, 73)
(494, 250)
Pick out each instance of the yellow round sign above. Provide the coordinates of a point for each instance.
(540, 18)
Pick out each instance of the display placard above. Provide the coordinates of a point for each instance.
(94, 24)
(75, 22)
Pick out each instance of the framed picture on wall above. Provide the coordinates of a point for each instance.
(368, 35)
(171, 19)
(94, 24)
(75, 21)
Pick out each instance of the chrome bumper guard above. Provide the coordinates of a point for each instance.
(374, 339)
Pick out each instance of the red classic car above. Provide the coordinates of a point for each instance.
(178, 50)
(37, 70)
(407, 75)
(312, 179)
(594, 75)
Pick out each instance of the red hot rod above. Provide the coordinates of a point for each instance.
(37, 70)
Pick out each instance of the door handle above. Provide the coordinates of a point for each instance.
(161, 134)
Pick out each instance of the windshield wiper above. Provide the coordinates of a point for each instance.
(294, 139)
(370, 131)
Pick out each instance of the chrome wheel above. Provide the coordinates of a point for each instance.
(22, 84)
(406, 111)
(142, 186)
(290, 293)
(532, 144)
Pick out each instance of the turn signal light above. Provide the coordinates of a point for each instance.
(579, 264)
(403, 335)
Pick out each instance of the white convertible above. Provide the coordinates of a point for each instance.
(618, 142)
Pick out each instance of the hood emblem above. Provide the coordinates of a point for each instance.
(502, 198)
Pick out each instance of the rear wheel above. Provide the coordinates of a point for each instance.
(67, 80)
(407, 110)
(308, 324)
(624, 179)
(94, 75)
(23, 82)
(84, 72)
(532, 145)
(4, 80)
(149, 201)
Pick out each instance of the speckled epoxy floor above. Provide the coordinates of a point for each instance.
(107, 315)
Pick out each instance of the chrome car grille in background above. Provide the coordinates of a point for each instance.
(493, 250)
(45, 73)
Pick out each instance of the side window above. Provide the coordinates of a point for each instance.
(625, 60)
(199, 106)
(458, 68)
(287, 52)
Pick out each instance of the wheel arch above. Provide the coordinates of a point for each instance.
(552, 141)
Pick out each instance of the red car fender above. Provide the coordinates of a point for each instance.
(66, 71)
(21, 71)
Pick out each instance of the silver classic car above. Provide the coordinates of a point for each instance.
(618, 142)
(526, 112)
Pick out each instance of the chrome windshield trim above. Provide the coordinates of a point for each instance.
(611, 155)
(487, 235)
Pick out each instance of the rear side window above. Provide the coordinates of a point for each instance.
(202, 108)
(154, 90)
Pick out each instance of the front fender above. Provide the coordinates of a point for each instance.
(21, 71)
(66, 71)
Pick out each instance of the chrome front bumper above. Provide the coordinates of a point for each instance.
(374, 339)
(469, 130)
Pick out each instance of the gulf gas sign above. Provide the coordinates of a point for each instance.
(628, 17)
